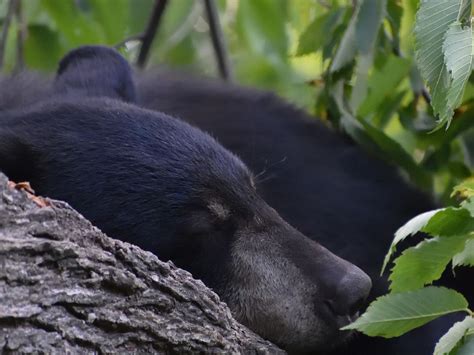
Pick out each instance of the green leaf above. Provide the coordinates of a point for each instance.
(395, 314)
(433, 21)
(319, 32)
(262, 25)
(465, 257)
(347, 121)
(450, 222)
(115, 24)
(457, 50)
(368, 22)
(454, 335)
(42, 48)
(347, 47)
(467, 347)
(72, 24)
(423, 264)
(383, 82)
(359, 91)
(397, 154)
(412, 227)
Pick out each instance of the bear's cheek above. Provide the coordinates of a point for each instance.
(267, 292)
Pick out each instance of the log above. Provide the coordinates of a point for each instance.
(65, 287)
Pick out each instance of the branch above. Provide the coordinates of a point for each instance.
(150, 32)
(68, 288)
(12, 4)
(21, 29)
(218, 41)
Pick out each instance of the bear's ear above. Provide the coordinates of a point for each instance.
(95, 71)
(17, 160)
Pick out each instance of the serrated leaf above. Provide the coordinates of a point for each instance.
(457, 50)
(412, 227)
(450, 222)
(432, 23)
(423, 264)
(465, 257)
(395, 314)
(454, 335)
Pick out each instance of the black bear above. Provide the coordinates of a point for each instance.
(319, 181)
(155, 181)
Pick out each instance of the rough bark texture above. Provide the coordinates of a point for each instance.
(65, 287)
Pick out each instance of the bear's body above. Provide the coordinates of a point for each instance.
(155, 181)
(126, 179)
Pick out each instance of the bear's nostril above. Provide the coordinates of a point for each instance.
(357, 305)
(339, 310)
(350, 295)
(332, 307)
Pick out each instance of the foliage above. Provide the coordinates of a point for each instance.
(450, 238)
(351, 64)
(361, 67)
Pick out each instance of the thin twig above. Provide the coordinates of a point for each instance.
(20, 39)
(6, 27)
(150, 32)
(218, 42)
(426, 95)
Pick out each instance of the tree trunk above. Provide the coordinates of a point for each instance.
(66, 287)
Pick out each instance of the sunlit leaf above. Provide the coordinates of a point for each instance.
(395, 314)
(450, 222)
(423, 264)
(412, 227)
(465, 257)
(454, 335)
(433, 34)
(457, 49)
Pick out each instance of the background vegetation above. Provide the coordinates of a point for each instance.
(324, 56)
(394, 75)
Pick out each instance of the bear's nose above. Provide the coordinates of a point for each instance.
(350, 293)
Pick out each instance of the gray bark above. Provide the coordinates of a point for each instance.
(65, 287)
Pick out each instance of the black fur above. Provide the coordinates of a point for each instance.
(79, 74)
(155, 181)
(319, 181)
